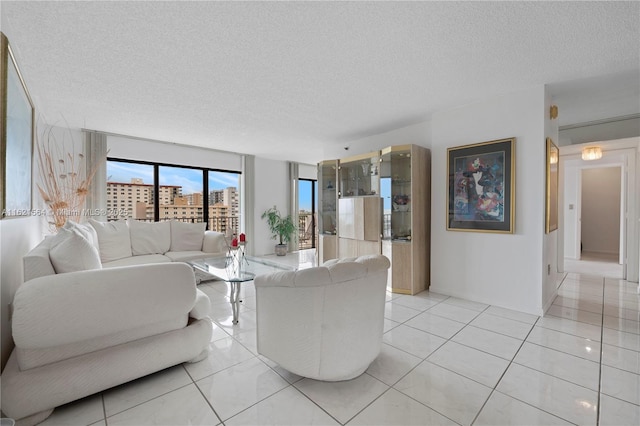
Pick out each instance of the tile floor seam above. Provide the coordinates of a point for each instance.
(151, 399)
(557, 377)
(497, 332)
(419, 402)
(289, 385)
(511, 319)
(598, 412)
(374, 399)
(494, 389)
(570, 334)
(440, 316)
(255, 403)
(561, 351)
(622, 400)
(576, 320)
(537, 408)
(209, 404)
(451, 319)
(415, 366)
(622, 369)
(104, 409)
(316, 404)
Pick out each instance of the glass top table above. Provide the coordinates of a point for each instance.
(235, 270)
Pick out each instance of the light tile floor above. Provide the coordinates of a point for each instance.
(443, 361)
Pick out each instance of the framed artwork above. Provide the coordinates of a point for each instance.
(553, 156)
(481, 193)
(16, 133)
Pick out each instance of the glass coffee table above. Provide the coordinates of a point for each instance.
(235, 271)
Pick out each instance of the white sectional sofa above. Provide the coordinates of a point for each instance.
(126, 243)
(95, 311)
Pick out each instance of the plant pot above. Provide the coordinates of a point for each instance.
(281, 249)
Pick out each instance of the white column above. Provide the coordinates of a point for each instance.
(247, 202)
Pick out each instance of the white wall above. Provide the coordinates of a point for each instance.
(570, 206)
(600, 222)
(171, 153)
(500, 269)
(308, 171)
(552, 257)
(601, 131)
(418, 134)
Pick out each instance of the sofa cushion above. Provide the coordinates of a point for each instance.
(187, 236)
(182, 256)
(71, 251)
(149, 237)
(114, 240)
(144, 259)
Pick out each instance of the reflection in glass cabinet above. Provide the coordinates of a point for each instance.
(359, 176)
(327, 181)
(395, 186)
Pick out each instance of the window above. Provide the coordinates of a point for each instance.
(307, 201)
(189, 194)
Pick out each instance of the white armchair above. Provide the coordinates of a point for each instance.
(324, 323)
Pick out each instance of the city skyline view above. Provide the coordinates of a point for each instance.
(189, 179)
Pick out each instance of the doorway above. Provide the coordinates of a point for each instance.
(597, 243)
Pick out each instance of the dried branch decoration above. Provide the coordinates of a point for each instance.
(64, 180)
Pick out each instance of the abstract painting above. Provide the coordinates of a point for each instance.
(481, 187)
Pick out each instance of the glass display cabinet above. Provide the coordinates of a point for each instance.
(375, 203)
(360, 175)
(395, 183)
(359, 205)
(405, 189)
(328, 210)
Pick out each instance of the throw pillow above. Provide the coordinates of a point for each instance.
(113, 238)
(73, 252)
(187, 236)
(85, 230)
(149, 237)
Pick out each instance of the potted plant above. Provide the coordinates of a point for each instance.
(282, 228)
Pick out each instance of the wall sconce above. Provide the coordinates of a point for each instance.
(553, 157)
(553, 112)
(591, 153)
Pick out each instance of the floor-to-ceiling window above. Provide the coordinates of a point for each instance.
(159, 192)
(307, 201)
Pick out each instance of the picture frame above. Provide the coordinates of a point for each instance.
(481, 187)
(553, 162)
(17, 136)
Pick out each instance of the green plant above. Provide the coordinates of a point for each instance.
(282, 228)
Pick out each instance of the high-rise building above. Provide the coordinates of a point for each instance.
(136, 199)
(228, 197)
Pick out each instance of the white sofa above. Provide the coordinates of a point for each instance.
(81, 325)
(325, 323)
(127, 243)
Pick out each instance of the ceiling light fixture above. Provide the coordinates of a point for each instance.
(591, 153)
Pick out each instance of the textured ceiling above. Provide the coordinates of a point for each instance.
(282, 79)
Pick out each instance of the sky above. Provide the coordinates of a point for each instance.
(189, 179)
